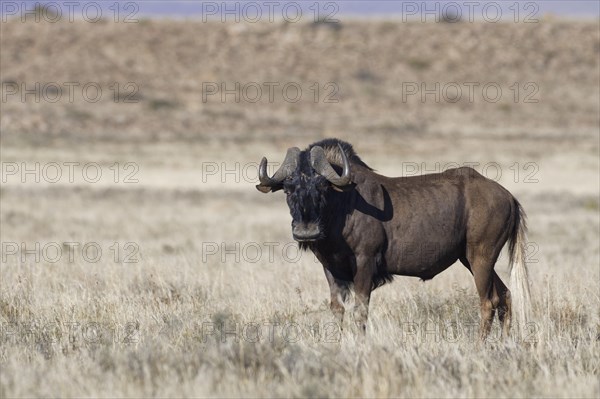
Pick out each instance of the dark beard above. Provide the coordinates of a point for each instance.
(306, 245)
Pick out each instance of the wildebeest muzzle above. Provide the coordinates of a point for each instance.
(306, 231)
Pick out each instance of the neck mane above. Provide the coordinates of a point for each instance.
(332, 152)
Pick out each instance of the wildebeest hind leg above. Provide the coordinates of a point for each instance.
(504, 305)
(482, 268)
(504, 301)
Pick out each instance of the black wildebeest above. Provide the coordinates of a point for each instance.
(364, 227)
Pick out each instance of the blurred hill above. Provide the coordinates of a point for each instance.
(369, 67)
(183, 8)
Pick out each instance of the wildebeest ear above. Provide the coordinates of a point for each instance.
(266, 189)
(348, 187)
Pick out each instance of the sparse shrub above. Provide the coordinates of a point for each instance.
(419, 64)
(161, 103)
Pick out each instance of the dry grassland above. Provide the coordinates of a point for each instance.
(199, 290)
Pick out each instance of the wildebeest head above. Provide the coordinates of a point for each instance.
(306, 177)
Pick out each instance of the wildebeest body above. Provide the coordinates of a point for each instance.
(365, 227)
(419, 231)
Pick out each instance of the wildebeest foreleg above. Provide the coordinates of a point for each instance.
(363, 285)
(339, 293)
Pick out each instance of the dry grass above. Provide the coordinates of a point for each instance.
(173, 325)
(182, 321)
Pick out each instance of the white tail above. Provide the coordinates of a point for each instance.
(519, 281)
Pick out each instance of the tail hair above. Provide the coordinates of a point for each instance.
(519, 280)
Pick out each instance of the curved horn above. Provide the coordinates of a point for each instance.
(287, 167)
(321, 165)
